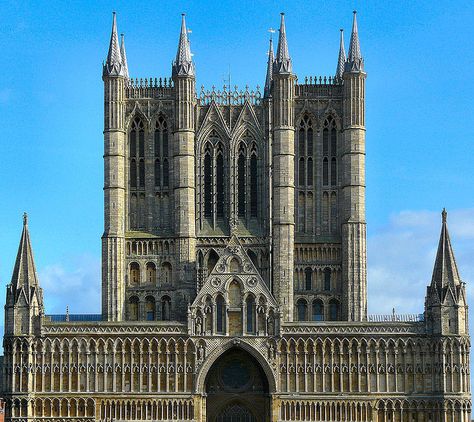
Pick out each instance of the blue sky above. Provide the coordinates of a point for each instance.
(420, 122)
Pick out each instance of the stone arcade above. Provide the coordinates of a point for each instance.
(234, 267)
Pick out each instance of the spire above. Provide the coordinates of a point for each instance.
(341, 61)
(24, 273)
(283, 61)
(183, 65)
(445, 272)
(114, 65)
(124, 56)
(268, 79)
(355, 62)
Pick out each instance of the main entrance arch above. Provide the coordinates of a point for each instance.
(237, 389)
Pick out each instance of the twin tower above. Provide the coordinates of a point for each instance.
(280, 174)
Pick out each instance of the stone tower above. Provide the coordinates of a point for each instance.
(353, 236)
(283, 184)
(183, 163)
(114, 75)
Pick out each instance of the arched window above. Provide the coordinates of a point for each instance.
(150, 308)
(310, 142)
(325, 141)
(208, 185)
(318, 310)
(234, 265)
(250, 305)
(150, 272)
(137, 150)
(220, 184)
(302, 308)
(212, 260)
(241, 182)
(333, 141)
(220, 309)
(327, 279)
(305, 152)
(133, 308)
(301, 141)
(308, 278)
(166, 308)
(253, 186)
(161, 154)
(134, 273)
(166, 272)
(325, 171)
(333, 310)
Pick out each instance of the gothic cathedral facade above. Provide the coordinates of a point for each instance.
(234, 277)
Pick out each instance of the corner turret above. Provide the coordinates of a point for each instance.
(341, 61)
(445, 303)
(124, 56)
(355, 62)
(24, 302)
(269, 76)
(114, 64)
(183, 65)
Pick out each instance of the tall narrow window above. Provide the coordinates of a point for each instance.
(133, 308)
(301, 142)
(165, 308)
(301, 307)
(241, 183)
(133, 143)
(133, 173)
(333, 141)
(250, 314)
(253, 186)
(150, 308)
(141, 143)
(220, 321)
(310, 142)
(301, 175)
(161, 154)
(327, 279)
(310, 172)
(325, 141)
(318, 310)
(141, 170)
(220, 185)
(325, 171)
(333, 310)
(333, 172)
(157, 173)
(308, 281)
(208, 186)
(165, 141)
(166, 173)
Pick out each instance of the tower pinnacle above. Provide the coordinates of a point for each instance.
(268, 79)
(282, 62)
(341, 61)
(183, 65)
(124, 56)
(355, 62)
(445, 272)
(114, 65)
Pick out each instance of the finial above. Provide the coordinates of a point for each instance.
(355, 12)
(444, 215)
(25, 219)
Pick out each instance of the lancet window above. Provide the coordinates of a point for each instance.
(213, 180)
(304, 169)
(161, 149)
(318, 310)
(302, 309)
(247, 179)
(330, 175)
(137, 154)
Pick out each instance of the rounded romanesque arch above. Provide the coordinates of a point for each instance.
(237, 387)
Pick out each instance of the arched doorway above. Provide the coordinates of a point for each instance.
(237, 389)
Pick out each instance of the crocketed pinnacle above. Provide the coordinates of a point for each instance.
(183, 65)
(114, 65)
(268, 79)
(355, 62)
(445, 272)
(282, 62)
(124, 56)
(24, 272)
(341, 61)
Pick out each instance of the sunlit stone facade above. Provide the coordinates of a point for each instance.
(234, 267)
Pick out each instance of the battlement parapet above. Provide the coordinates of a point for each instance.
(149, 88)
(320, 86)
(229, 97)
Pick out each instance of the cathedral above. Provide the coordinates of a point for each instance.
(234, 273)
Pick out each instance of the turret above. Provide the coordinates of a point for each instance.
(445, 303)
(269, 75)
(115, 73)
(124, 56)
(353, 229)
(24, 303)
(283, 185)
(341, 60)
(183, 163)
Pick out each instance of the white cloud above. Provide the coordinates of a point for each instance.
(75, 283)
(401, 257)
